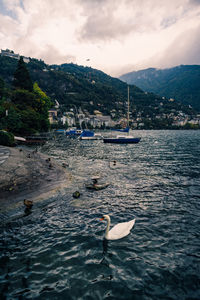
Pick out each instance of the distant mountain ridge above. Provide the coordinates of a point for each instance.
(181, 83)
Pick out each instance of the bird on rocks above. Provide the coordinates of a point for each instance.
(50, 166)
(28, 203)
(76, 194)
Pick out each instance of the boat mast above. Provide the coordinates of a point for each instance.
(128, 109)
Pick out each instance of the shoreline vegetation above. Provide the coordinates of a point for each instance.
(31, 175)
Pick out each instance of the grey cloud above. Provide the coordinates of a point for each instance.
(168, 21)
(51, 55)
(100, 22)
(184, 50)
(195, 2)
(104, 27)
(104, 22)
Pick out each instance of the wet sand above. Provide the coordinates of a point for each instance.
(29, 175)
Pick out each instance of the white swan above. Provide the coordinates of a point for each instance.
(118, 231)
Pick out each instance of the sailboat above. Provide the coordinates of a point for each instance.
(123, 139)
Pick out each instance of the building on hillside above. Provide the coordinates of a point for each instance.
(11, 54)
(81, 118)
(99, 120)
(53, 116)
(97, 113)
(68, 118)
(179, 122)
(195, 121)
(106, 120)
(123, 122)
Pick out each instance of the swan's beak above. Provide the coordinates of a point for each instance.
(102, 219)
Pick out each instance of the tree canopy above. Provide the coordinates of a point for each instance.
(22, 79)
(25, 111)
(1, 88)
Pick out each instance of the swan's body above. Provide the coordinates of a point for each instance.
(118, 231)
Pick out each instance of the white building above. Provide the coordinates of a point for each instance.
(11, 54)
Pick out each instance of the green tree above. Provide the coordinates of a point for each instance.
(43, 102)
(83, 125)
(6, 138)
(31, 121)
(42, 105)
(33, 108)
(22, 79)
(23, 99)
(66, 125)
(10, 118)
(1, 88)
(13, 121)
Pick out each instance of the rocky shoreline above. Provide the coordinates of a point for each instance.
(28, 174)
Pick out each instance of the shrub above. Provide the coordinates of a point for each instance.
(6, 138)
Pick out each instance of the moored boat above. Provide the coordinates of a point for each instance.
(123, 139)
(31, 140)
(63, 131)
(90, 135)
(73, 132)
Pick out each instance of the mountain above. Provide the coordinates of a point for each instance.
(71, 84)
(181, 83)
(89, 89)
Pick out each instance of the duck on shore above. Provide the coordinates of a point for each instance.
(28, 203)
(76, 194)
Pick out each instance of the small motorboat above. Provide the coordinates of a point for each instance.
(73, 132)
(90, 135)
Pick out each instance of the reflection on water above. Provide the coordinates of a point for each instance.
(57, 250)
(105, 246)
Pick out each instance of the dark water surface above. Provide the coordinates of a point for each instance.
(58, 252)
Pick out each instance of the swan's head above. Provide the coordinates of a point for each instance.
(105, 217)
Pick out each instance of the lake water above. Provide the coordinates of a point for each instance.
(58, 251)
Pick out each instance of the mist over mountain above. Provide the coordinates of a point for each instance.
(181, 83)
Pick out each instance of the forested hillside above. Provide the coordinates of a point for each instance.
(88, 88)
(181, 83)
(75, 85)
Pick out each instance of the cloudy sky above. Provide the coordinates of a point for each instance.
(115, 36)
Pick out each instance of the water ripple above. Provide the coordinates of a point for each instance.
(58, 251)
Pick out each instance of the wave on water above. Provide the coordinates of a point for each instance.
(58, 251)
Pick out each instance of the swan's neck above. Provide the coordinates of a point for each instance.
(107, 228)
